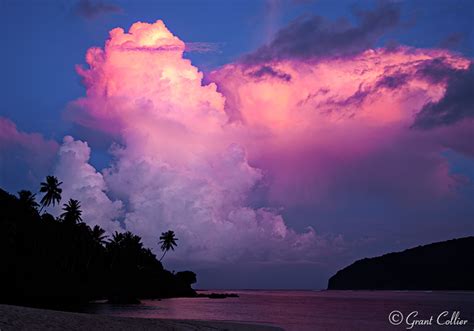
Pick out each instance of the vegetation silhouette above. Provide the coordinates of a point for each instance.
(52, 192)
(446, 265)
(167, 242)
(72, 212)
(48, 260)
(28, 200)
(98, 235)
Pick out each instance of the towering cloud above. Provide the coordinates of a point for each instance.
(82, 182)
(318, 148)
(290, 138)
(179, 163)
(341, 124)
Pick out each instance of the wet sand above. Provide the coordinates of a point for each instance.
(25, 318)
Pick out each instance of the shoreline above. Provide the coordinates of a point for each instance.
(26, 318)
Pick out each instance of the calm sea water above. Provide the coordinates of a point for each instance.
(312, 310)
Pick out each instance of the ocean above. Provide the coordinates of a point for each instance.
(316, 310)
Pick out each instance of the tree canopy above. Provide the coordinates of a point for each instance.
(57, 260)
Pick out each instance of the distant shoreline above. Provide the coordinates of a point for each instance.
(25, 318)
(443, 266)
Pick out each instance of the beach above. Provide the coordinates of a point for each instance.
(25, 318)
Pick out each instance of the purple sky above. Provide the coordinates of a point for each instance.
(280, 140)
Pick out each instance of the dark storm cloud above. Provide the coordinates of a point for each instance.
(315, 36)
(436, 70)
(456, 104)
(393, 81)
(91, 9)
(270, 72)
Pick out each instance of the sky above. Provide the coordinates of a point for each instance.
(280, 140)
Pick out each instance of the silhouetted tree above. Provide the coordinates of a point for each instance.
(124, 241)
(98, 235)
(27, 200)
(187, 277)
(72, 212)
(52, 192)
(60, 262)
(125, 249)
(167, 242)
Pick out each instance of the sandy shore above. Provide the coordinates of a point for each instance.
(24, 318)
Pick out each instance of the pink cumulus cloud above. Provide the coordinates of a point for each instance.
(178, 163)
(343, 124)
(192, 157)
(81, 181)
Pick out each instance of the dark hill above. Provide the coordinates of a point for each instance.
(447, 265)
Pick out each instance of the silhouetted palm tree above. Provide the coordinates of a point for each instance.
(27, 199)
(98, 234)
(64, 263)
(126, 240)
(167, 241)
(131, 240)
(72, 212)
(125, 249)
(116, 238)
(52, 192)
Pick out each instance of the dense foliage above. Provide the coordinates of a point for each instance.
(62, 260)
(446, 265)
